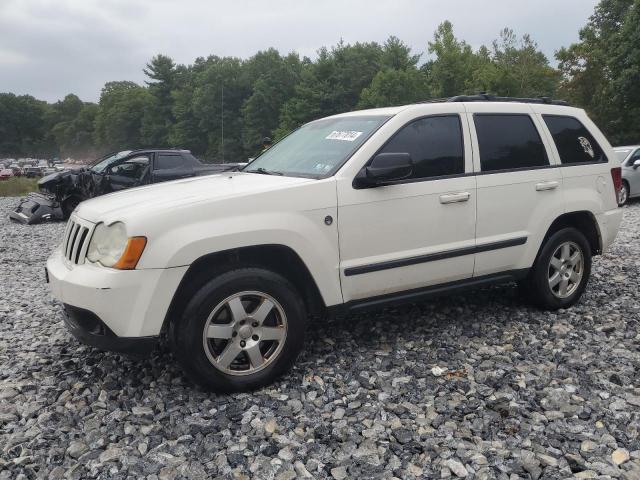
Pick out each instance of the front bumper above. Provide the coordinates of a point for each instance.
(37, 208)
(129, 303)
(87, 327)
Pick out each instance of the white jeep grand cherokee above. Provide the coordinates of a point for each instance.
(348, 212)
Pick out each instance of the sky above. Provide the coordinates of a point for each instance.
(49, 48)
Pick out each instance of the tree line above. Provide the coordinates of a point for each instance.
(221, 107)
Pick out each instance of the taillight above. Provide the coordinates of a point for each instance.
(616, 176)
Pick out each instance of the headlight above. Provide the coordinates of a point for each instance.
(111, 247)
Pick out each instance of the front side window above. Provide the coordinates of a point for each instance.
(133, 168)
(574, 142)
(434, 143)
(317, 149)
(509, 142)
(102, 164)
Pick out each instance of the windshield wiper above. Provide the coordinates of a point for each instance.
(264, 171)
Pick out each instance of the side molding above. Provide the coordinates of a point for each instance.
(432, 257)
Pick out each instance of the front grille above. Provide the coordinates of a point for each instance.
(76, 240)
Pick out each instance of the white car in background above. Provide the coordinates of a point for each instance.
(629, 157)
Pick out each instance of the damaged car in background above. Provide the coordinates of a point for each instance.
(61, 192)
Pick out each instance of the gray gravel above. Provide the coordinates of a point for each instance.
(477, 386)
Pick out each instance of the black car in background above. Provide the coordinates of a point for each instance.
(61, 192)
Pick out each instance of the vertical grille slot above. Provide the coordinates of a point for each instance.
(75, 243)
(77, 246)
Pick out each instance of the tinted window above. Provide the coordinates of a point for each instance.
(166, 162)
(434, 143)
(573, 141)
(509, 141)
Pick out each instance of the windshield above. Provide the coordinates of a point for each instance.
(317, 149)
(622, 154)
(105, 162)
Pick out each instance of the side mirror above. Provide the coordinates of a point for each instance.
(636, 164)
(385, 168)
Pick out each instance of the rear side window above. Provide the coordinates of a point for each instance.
(574, 142)
(509, 142)
(435, 146)
(167, 162)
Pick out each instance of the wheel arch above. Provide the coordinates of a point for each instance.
(278, 258)
(583, 221)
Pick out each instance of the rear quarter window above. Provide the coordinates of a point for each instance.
(169, 161)
(574, 142)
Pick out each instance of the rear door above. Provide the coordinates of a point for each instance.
(519, 186)
(171, 166)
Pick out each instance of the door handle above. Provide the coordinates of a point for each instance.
(542, 186)
(454, 197)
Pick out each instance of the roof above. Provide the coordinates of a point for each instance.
(160, 150)
(480, 98)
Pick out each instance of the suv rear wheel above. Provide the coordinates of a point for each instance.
(561, 271)
(240, 331)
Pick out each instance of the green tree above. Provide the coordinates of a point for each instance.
(220, 89)
(331, 84)
(74, 137)
(454, 63)
(158, 115)
(22, 126)
(399, 81)
(521, 70)
(273, 80)
(601, 72)
(395, 87)
(118, 120)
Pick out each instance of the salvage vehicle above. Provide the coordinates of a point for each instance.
(33, 172)
(6, 174)
(61, 192)
(347, 213)
(630, 161)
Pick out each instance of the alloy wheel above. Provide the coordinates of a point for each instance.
(566, 269)
(245, 333)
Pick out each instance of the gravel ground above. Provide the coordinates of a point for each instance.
(477, 386)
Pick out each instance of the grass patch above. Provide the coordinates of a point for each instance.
(18, 186)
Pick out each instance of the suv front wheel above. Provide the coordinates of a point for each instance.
(240, 331)
(561, 271)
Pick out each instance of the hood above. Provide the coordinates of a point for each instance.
(152, 199)
(48, 181)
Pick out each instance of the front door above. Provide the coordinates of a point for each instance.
(416, 232)
(130, 173)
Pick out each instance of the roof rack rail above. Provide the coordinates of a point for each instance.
(486, 97)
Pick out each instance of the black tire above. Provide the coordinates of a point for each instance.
(69, 205)
(623, 196)
(537, 286)
(186, 334)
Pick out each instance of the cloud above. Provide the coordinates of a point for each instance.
(53, 47)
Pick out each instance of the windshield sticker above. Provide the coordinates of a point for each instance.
(321, 167)
(586, 146)
(348, 135)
